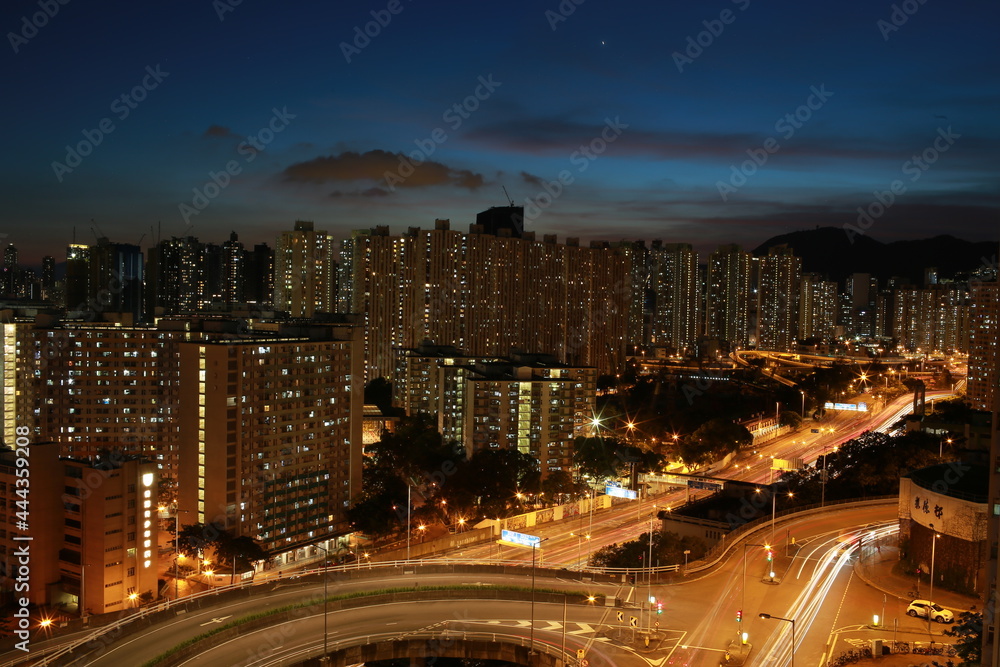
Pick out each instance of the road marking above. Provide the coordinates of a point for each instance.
(392, 623)
(584, 629)
(217, 620)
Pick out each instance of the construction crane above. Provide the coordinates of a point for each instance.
(507, 195)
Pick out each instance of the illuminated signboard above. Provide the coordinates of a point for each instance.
(858, 407)
(619, 492)
(521, 539)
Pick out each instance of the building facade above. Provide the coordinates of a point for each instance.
(728, 296)
(305, 271)
(270, 442)
(486, 294)
(93, 529)
(778, 308)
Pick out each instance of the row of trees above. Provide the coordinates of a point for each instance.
(668, 549)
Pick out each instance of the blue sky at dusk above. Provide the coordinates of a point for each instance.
(889, 92)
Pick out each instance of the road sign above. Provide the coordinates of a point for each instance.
(621, 616)
(633, 621)
(656, 623)
(581, 653)
(584, 663)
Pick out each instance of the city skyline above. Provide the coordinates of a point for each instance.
(673, 102)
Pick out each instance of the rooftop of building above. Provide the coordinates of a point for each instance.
(972, 484)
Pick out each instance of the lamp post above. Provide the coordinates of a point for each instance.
(743, 602)
(177, 594)
(802, 391)
(787, 620)
(934, 540)
(649, 567)
(326, 559)
(687, 552)
(534, 545)
(408, 505)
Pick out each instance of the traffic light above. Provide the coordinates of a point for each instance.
(770, 556)
(659, 607)
(739, 616)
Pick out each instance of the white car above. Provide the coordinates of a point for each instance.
(937, 613)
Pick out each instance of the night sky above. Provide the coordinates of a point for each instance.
(643, 126)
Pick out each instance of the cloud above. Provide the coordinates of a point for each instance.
(531, 179)
(219, 131)
(374, 166)
(561, 135)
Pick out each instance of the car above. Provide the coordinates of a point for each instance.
(937, 613)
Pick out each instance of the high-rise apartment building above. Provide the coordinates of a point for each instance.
(259, 288)
(863, 291)
(818, 306)
(10, 272)
(638, 320)
(675, 285)
(234, 264)
(486, 294)
(304, 271)
(93, 528)
(728, 295)
(984, 345)
(778, 302)
(91, 387)
(933, 319)
(77, 277)
(270, 432)
(422, 378)
(175, 276)
(48, 277)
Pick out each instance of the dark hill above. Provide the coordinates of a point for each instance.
(829, 251)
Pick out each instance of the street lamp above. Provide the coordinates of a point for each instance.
(534, 545)
(787, 620)
(933, 549)
(743, 602)
(176, 589)
(326, 564)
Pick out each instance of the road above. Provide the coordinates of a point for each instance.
(697, 624)
(567, 543)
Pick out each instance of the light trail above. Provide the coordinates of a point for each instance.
(777, 650)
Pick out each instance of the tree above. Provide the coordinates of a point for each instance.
(713, 440)
(595, 457)
(789, 418)
(559, 482)
(238, 552)
(496, 476)
(969, 630)
(193, 539)
(668, 549)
